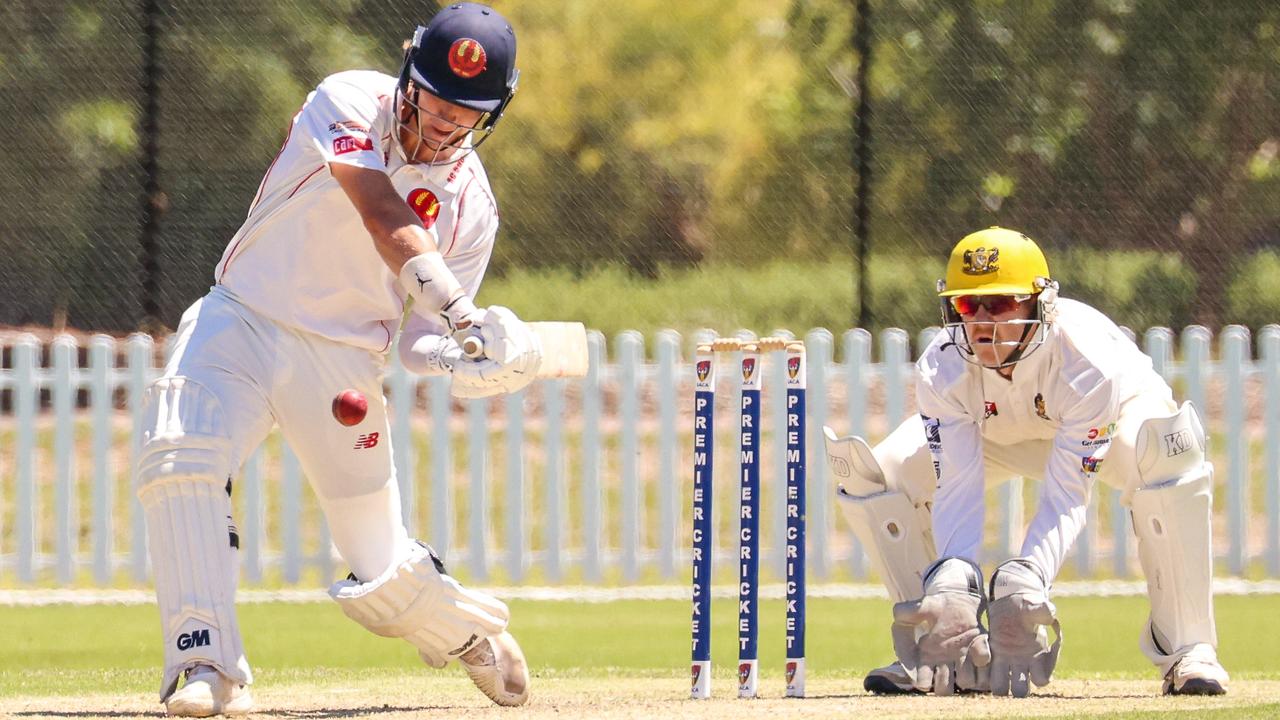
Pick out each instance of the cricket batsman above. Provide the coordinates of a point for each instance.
(376, 202)
(1024, 383)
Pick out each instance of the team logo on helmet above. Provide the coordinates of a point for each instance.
(981, 261)
(748, 368)
(467, 58)
(744, 672)
(791, 672)
(793, 366)
(424, 204)
(704, 369)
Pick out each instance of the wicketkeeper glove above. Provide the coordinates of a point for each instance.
(1020, 613)
(952, 653)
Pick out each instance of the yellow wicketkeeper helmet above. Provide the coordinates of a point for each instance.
(995, 261)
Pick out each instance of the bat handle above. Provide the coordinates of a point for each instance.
(472, 347)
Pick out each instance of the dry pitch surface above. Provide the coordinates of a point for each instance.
(562, 698)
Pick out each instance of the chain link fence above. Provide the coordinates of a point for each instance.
(1138, 140)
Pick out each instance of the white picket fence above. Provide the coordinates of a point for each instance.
(575, 480)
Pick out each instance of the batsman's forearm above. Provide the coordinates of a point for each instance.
(396, 243)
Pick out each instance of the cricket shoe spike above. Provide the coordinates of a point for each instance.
(1197, 673)
(892, 679)
(497, 666)
(208, 692)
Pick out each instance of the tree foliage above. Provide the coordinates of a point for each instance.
(654, 134)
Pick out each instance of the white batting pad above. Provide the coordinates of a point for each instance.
(414, 600)
(1171, 517)
(182, 482)
(896, 534)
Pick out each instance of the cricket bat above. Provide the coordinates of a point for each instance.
(564, 348)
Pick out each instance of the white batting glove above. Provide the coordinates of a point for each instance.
(431, 355)
(1020, 614)
(461, 313)
(510, 361)
(953, 651)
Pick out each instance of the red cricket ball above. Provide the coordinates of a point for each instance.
(349, 407)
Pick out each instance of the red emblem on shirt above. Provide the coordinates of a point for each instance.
(349, 143)
(424, 204)
(467, 58)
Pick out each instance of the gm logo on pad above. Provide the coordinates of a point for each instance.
(198, 638)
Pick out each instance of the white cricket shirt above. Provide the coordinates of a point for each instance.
(303, 256)
(1069, 391)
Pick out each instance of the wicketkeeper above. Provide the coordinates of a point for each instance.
(375, 203)
(1024, 383)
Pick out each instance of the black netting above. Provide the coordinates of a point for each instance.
(1137, 140)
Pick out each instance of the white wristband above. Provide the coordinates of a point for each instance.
(429, 282)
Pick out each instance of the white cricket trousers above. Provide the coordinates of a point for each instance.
(265, 374)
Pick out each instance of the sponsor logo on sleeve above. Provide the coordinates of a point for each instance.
(932, 432)
(342, 126)
(366, 441)
(1099, 436)
(350, 143)
(989, 409)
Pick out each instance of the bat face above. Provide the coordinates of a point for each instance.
(565, 352)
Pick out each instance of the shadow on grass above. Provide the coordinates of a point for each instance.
(316, 714)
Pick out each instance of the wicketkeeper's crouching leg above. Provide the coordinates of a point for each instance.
(895, 529)
(183, 483)
(416, 600)
(1171, 517)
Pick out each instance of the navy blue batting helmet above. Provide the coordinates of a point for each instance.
(467, 55)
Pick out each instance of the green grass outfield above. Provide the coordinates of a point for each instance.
(104, 659)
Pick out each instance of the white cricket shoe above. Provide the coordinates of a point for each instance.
(1197, 673)
(497, 666)
(208, 692)
(892, 679)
